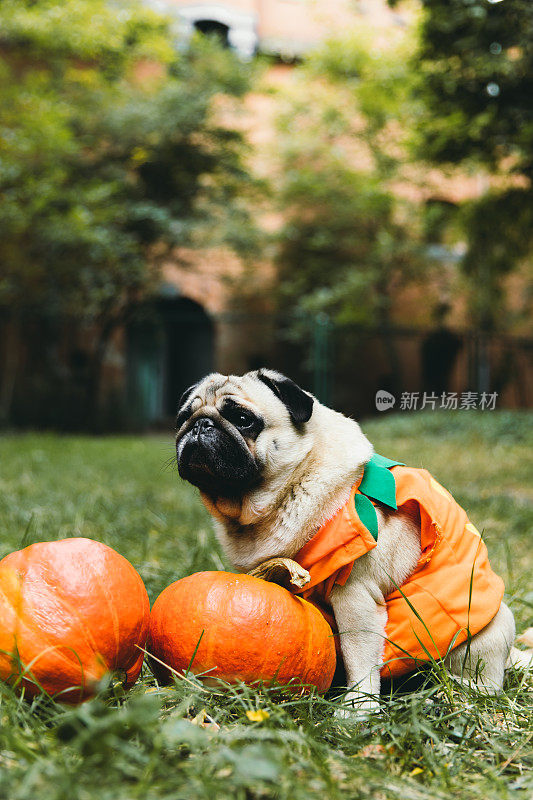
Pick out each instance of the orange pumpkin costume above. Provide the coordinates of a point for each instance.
(453, 592)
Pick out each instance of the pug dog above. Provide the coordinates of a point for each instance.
(273, 465)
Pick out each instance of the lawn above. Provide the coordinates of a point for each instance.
(435, 742)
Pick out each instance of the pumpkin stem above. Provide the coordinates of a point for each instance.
(282, 571)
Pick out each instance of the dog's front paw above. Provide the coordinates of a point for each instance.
(357, 707)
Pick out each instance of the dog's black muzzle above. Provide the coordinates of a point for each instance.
(214, 460)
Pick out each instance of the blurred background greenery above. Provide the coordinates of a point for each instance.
(174, 203)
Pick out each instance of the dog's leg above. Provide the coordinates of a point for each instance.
(481, 662)
(361, 616)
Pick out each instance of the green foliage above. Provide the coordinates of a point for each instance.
(500, 234)
(111, 155)
(379, 82)
(432, 742)
(348, 241)
(341, 249)
(475, 70)
(472, 88)
(96, 164)
(110, 34)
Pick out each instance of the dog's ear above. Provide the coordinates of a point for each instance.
(182, 410)
(298, 402)
(186, 393)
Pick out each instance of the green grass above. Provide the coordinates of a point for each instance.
(436, 742)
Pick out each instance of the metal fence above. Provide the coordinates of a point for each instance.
(346, 365)
(45, 375)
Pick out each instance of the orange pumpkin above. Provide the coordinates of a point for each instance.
(245, 629)
(70, 611)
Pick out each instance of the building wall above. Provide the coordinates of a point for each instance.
(288, 28)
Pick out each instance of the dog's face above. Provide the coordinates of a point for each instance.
(238, 434)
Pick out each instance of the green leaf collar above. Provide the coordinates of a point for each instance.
(377, 484)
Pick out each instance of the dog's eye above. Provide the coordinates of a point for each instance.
(244, 420)
(241, 419)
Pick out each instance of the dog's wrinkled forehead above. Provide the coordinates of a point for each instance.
(269, 392)
(213, 389)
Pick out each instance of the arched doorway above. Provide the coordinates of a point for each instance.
(170, 345)
(189, 348)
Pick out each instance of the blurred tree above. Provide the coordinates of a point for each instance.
(474, 107)
(348, 242)
(109, 157)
